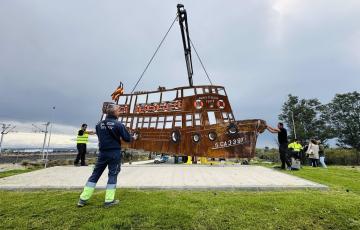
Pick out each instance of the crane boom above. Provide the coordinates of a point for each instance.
(186, 40)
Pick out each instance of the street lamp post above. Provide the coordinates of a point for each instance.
(50, 132)
(6, 128)
(292, 118)
(45, 136)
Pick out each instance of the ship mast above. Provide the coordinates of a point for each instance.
(186, 40)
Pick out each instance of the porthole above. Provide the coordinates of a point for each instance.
(196, 137)
(212, 136)
(232, 129)
(175, 136)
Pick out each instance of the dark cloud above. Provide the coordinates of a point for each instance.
(72, 54)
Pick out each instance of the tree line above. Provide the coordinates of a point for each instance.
(339, 119)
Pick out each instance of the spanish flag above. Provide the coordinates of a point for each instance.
(118, 92)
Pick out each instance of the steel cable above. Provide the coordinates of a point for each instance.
(207, 75)
(157, 49)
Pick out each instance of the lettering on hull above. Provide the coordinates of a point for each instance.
(229, 143)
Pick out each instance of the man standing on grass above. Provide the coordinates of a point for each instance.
(283, 144)
(81, 141)
(109, 132)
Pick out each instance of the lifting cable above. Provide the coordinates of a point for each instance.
(157, 49)
(207, 75)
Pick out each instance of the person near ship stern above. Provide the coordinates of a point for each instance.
(283, 144)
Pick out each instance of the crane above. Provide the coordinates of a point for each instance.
(186, 41)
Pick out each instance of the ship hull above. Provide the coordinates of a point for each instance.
(226, 140)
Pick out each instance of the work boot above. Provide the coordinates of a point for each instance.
(81, 203)
(111, 203)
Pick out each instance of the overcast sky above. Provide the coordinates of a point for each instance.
(72, 54)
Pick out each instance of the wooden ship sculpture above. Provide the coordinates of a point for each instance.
(186, 121)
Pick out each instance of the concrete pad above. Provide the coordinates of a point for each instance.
(163, 177)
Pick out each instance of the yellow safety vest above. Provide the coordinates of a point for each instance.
(295, 146)
(82, 139)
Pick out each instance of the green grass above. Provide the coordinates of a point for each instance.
(15, 172)
(336, 177)
(149, 209)
(341, 178)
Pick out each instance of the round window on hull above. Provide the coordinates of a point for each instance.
(212, 136)
(196, 138)
(175, 136)
(232, 130)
